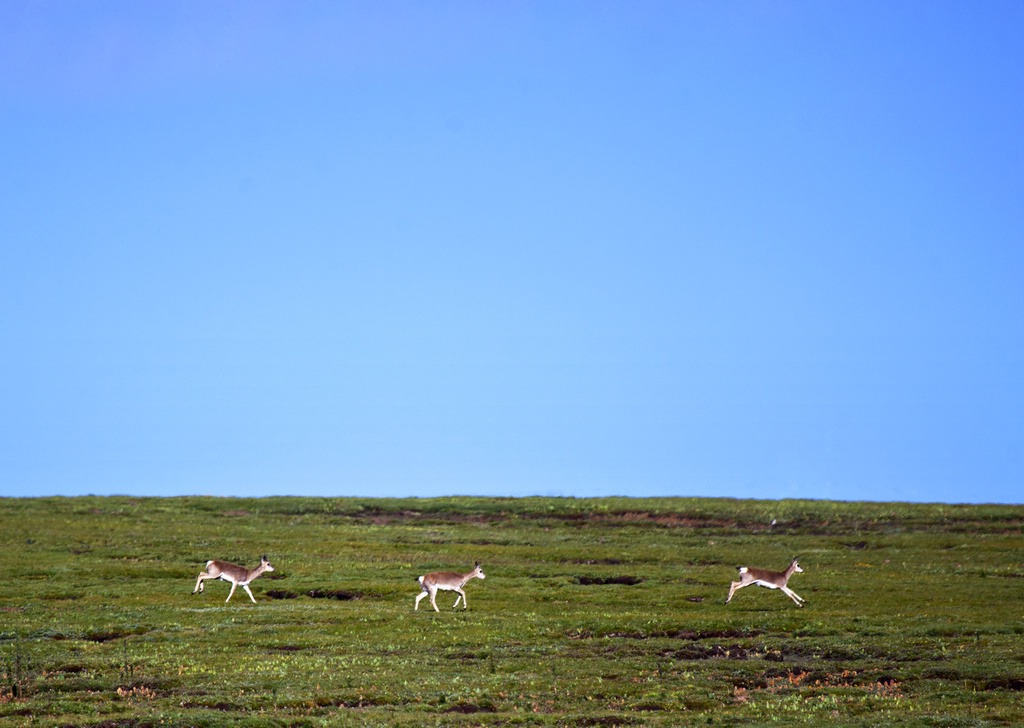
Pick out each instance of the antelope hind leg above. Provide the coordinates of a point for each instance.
(199, 582)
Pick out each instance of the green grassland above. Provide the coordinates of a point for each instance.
(595, 612)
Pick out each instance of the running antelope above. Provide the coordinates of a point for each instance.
(446, 581)
(769, 579)
(237, 575)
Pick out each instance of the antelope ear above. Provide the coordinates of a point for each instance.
(478, 564)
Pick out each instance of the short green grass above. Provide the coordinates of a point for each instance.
(913, 613)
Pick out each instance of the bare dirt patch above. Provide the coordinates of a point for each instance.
(607, 720)
(281, 594)
(468, 708)
(702, 652)
(107, 636)
(342, 595)
(601, 580)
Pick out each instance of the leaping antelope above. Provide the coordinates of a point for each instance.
(446, 581)
(769, 579)
(237, 575)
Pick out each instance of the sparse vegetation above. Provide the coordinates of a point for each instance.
(595, 612)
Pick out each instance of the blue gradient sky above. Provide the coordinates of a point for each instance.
(736, 249)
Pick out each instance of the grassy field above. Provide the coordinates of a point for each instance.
(595, 612)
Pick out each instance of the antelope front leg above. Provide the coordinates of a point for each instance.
(793, 595)
(246, 587)
(462, 596)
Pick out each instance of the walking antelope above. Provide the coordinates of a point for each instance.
(769, 579)
(237, 575)
(446, 581)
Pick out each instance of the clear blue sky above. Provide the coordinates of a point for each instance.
(748, 249)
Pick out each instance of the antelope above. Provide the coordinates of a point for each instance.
(237, 575)
(769, 579)
(446, 581)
